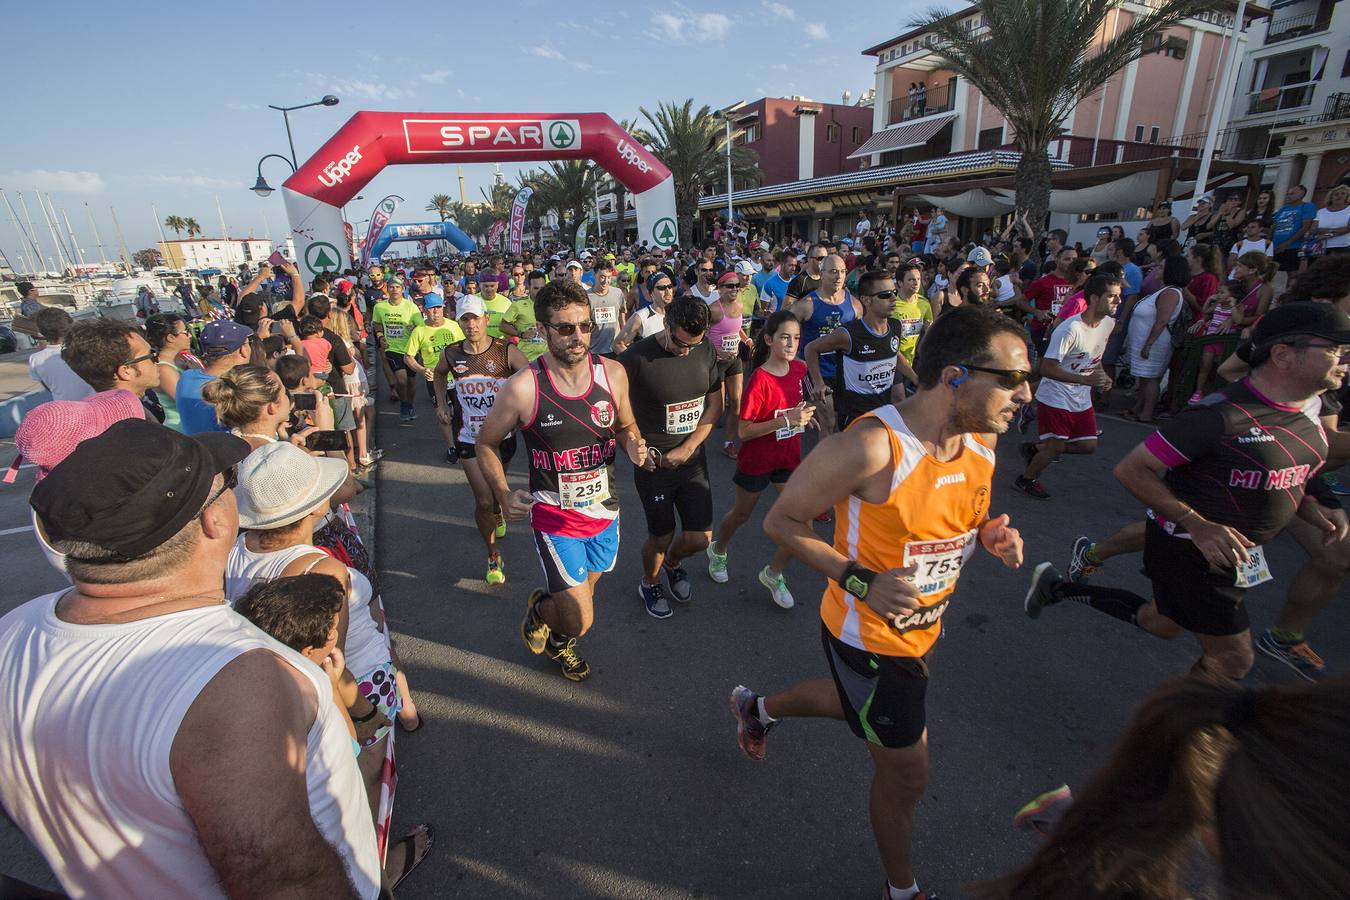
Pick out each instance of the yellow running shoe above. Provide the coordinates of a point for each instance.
(574, 668)
(501, 525)
(495, 573)
(534, 631)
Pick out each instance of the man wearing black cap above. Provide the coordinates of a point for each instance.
(1223, 477)
(151, 738)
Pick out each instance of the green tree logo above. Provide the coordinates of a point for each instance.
(562, 136)
(322, 256)
(663, 232)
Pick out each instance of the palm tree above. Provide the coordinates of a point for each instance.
(565, 188)
(175, 224)
(191, 227)
(441, 204)
(1059, 60)
(692, 144)
(499, 199)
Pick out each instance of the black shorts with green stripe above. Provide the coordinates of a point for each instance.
(882, 696)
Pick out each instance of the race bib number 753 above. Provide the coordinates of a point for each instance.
(938, 563)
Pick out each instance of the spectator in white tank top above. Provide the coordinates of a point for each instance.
(124, 700)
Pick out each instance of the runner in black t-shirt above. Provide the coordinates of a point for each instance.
(675, 383)
(1220, 479)
(807, 279)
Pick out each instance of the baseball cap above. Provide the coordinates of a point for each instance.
(431, 300)
(585, 254)
(134, 486)
(51, 432)
(1302, 318)
(745, 267)
(223, 336)
(279, 484)
(249, 310)
(980, 257)
(573, 264)
(470, 306)
(754, 245)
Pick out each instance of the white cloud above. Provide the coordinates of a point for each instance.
(358, 89)
(191, 182)
(546, 52)
(816, 31)
(779, 9)
(703, 26)
(437, 77)
(81, 182)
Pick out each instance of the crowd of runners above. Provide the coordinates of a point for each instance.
(194, 476)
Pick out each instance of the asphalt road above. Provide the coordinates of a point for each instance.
(631, 784)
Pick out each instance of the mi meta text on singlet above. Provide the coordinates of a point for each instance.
(575, 458)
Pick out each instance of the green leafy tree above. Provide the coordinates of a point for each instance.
(191, 227)
(147, 259)
(692, 144)
(441, 205)
(1037, 59)
(176, 224)
(565, 189)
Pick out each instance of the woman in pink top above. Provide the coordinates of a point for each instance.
(728, 339)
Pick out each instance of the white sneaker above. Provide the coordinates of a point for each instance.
(777, 586)
(717, 565)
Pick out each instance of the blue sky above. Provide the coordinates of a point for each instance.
(126, 105)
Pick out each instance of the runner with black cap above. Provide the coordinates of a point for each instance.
(1261, 440)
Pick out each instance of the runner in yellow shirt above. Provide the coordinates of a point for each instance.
(496, 305)
(424, 351)
(519, 321)
(393, 321)
(912, 310)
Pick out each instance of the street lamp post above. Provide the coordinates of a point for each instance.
(261, 187)
(326, 100)
(726, 117)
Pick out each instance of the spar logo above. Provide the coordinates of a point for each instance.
(510, 135)
(664, 232)
(628, 153)
(333, 173)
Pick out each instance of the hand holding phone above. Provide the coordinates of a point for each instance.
(326, 440)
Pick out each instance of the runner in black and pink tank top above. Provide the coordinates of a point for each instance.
(571, 445)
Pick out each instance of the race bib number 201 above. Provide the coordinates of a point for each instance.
(683, 417)
(938, 563)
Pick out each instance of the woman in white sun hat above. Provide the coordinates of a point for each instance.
(283, 494)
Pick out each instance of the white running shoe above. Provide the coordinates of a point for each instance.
(777, 586)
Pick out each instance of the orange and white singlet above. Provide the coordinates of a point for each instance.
(931, 518)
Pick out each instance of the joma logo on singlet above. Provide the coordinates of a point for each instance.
(954, 478)
(1272, 480)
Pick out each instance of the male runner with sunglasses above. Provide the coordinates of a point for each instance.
(910, 484)
(572, 407)
(675, 381)
(866, 355)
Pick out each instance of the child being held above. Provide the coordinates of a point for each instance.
(302, 612)
(1215, 318)
(310, 331)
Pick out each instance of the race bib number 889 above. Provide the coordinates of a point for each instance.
(683, 417)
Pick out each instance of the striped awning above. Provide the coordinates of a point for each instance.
(911, 134)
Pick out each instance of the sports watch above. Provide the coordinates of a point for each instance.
(857, 580)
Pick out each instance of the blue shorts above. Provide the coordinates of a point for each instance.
(568, 561)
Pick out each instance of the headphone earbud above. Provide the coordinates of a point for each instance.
(957, 382)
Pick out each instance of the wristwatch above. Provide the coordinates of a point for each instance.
(857, 580)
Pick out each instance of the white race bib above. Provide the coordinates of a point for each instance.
(784, 433)
(474, 424)
(393, 331)
(581, 490)
(910, 327)
(731, 343)
(1056, 306)
(683, 417)
(1255, 571)
(605, 315)
(938, 562)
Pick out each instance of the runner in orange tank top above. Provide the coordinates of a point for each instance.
(910, 487)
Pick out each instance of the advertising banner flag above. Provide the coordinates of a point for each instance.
(581, 235)
(495, 234)
(383, 212)
(518, 219)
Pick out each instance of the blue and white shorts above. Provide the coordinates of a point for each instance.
(568, 561)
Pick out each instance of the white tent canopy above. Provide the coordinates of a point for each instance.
(973, 204)
(1124, 193)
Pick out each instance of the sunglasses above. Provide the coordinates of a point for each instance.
(681, 344)
(886, 295)
(231, 482)
(1009, 379)
(567, 329)
(706, 271)
(139, 359)
(664, 287)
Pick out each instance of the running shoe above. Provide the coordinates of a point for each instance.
(717, 565)
(412, 413)
(1299, 657)
(750, 731)
(574, 668)
(534, 631)
(1041, 593)
(1080, 568)
(1032, 487)
(1337, 486)
(921, 895)
(655, 599)
(777, 586)
(451, 457)
(1043, 813)
(500, 531)
(680, 588)
(495, 573)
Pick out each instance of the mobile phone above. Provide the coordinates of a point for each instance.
(326, 440)
(276, 260)
(303, 402)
